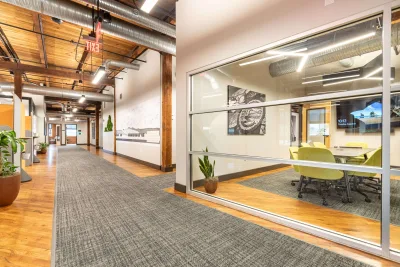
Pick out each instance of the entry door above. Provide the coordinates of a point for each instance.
(71, 133)
(316, 125)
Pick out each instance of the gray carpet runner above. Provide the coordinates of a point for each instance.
(279, 183)
(105, 216)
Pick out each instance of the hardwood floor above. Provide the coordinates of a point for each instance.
(325, 217)
(26, 225)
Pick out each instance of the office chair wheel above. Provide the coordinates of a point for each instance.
(368, 200)
(292, 183)
(325, 203)
(344, 200)
(300, 195)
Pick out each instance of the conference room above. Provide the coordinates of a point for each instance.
(297, 131)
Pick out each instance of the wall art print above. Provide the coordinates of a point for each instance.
(140, 122)
(249, 121)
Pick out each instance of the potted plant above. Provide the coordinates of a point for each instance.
(109, 126)
(210, 181)
(10, 180)
(43, 148)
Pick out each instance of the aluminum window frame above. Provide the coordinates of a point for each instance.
(385, 90)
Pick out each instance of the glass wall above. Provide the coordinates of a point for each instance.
(395, 134)
(296, 131)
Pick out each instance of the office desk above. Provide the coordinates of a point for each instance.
(343, 154)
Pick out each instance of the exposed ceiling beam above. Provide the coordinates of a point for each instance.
(51, 72)
(10, 49)
(4, 55)
(38, 27)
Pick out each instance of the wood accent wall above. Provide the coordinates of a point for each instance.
(166, 131)
(98, 125)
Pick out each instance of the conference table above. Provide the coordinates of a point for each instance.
(343, 154)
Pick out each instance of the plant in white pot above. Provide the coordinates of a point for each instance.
(210, 181)
(10, 180)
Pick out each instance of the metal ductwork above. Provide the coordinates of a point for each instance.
(135, 15)
(369, 45)
(121, 64)
(77, 14)
(57, 103)
(56, 92)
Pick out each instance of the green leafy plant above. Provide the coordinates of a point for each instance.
(206, 167)
(43, 145)
(8, 139)
(109, 126)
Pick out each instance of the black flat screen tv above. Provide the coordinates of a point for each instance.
(364, 115)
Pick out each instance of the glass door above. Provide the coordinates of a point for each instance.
(316, 126)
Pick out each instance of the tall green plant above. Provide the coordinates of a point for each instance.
(109, 126)
(206, 167)
(9, 138)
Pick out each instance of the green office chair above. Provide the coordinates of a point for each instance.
(325, 178)
(319, 144)
(359, 159)
(369, 179)
(304, 144)
(293, 155)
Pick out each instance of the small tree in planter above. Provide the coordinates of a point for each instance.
(109, 126)
(43, 148)
(211, 181)
(10, 180)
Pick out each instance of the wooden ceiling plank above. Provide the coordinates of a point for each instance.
(51, 72)
(38, 27)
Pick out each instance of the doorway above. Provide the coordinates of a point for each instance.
(316, 125)
(71, 134)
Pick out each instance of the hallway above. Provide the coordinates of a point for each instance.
(28, 224)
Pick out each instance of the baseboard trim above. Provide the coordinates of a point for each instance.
(180, 188)
(235, 175)
(149, 164)
(109, 152)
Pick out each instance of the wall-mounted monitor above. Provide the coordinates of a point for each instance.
(364, 115)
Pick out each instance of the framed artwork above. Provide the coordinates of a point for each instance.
(249, 121)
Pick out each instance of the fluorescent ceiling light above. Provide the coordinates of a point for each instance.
(372, 73)
(148, 5)
(100, 72)
(74, 109)
(279, 54)
(330, 79)
(303, 62)
(349, 41)
(68, 115)
(77, 120)
(52, 119)
(352, 40)
(287, 53)
(82, 99)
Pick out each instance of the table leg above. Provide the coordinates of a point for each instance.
(347, 181)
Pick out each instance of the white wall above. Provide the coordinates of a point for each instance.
(211, 130)
(140, 106)
(210, 31)
(108, 110)
(82, 125)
